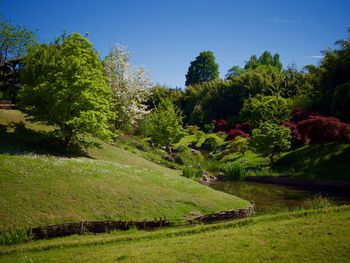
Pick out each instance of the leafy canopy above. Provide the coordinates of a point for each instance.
(271, 139)
(202, 69)
(131, 87)
(274, 109)
(164, 124)
(64, 85)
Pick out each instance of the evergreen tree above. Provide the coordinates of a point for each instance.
(202, 69)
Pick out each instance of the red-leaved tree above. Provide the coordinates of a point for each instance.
(233, 133)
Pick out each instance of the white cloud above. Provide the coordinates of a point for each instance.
(314, 57)
(284, 20)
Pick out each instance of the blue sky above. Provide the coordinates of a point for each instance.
(165, 36)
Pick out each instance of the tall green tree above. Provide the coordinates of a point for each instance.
(14, 43)
(266, 59)
(64, 85)
(202, 69)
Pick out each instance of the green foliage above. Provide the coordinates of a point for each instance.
(64, 85)
(14, 236)
(270, 139)
(14, 43)
(202, 69)
(264, 79)
(212, 100)
(233, 171)
(212, 142)
(192, 172)
(161, 92)
(164, 124)
(318, 202)
(274, 109)
(265, 59)
(239, 145)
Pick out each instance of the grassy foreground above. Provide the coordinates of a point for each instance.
(110, 184)
(303, 236)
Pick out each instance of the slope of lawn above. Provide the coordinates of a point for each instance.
(302, 236)
(322, 161)
(113, 184)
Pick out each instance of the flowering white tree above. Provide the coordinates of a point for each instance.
(130, 87)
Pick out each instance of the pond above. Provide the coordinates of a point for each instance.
(272, 197)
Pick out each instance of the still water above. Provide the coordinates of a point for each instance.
(271, 197)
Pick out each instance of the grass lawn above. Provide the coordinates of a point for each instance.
(320, 161)
(110, 184)
(302, 236)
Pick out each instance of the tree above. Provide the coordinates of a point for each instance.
(131, 87)
(164, 124)
(274, 109)
(266, 59)
(271, 139)
(234, 71)
(202, 69)
(64, 85)
(14, 43)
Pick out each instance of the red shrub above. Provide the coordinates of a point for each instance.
(233, 133)
(297, 139)
(244, 126)
(299, 115)
(221, 125)
(319, 128)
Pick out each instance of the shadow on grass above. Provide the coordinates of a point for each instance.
(17, 139)
(324, 161)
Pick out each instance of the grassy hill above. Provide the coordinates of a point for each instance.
(302, 236)
(322, 161)
(109, 183)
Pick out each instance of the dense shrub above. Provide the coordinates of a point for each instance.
(270, 139)
(297, 139)
(212, 142)
(319, 128)
(233, 171)
(233, 133)
(221, 125)
(243, 126)
(192, 172)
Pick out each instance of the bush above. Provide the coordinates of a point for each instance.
(318, 128)
(270, 140)
(192, 172)
(212, 142)
(244, 126)
(317, 202)
(221, 125)
(297, 139)
(233, 171)
(14, 236)
(233, 133)
(240, 145)
(185, 156)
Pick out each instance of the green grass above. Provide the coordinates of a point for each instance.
(320, 161)
(301, 236)
(110, 184)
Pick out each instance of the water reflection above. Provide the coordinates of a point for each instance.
(270, 197)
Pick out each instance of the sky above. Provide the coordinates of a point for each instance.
(166, 35)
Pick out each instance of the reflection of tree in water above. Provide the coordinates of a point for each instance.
(269, 197)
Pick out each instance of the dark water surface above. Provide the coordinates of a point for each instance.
(272, 197)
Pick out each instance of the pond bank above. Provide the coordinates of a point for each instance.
(316, 184)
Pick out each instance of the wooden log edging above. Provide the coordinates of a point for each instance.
(86, 227)
(225, 215)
